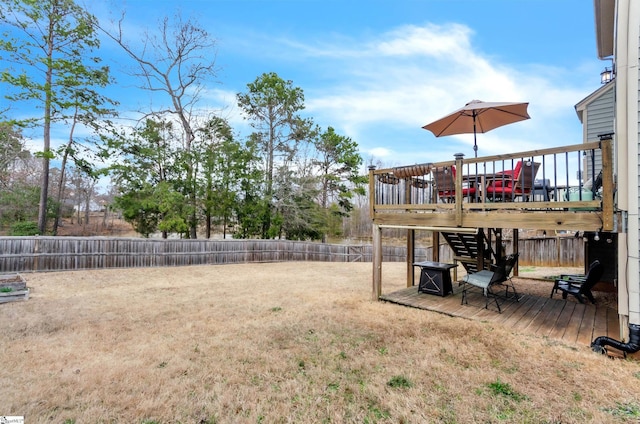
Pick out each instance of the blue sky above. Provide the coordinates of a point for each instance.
(377, 71)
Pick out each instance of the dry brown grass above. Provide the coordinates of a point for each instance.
(285, 342)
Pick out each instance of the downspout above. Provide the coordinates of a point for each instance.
(600, 344)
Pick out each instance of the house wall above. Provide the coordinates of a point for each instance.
(634, 68)
(600, 116)
(627, 136)
(599, 120)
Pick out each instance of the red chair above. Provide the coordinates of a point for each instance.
(445, 182)
(518, 182)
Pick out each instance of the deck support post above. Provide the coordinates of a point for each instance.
(458, 183)
(377, 262)
(515, 238)
(411, 256)
(480, 237)
(435, 246)
(607, 178)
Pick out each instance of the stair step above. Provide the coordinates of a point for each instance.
(465, 248)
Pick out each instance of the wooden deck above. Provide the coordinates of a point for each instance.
(555, 318)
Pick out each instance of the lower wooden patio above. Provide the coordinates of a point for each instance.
(555, 318)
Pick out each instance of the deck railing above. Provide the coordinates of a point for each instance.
(568, 187)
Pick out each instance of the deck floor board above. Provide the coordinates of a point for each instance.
(560, 326)
(541, 316)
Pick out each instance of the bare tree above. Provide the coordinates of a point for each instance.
(174, 64)
(83, 189)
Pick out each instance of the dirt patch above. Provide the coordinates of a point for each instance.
(98, 225)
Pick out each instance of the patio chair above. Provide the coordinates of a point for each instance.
(577, 278)
(509, 263)
(541, 190)
(445, 181)
(597, 184)
(488, 280)
(579, 286)
(519, 182)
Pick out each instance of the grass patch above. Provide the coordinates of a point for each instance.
(526, 268)
(376, 413)
(498, 388)
(625, 410)
(333, 386)
(6, 289)
(399, 381)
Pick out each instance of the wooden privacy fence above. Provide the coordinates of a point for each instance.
(24, 254)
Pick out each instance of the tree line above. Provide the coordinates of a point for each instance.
(180, 168)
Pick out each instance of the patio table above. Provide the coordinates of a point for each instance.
(479, 181)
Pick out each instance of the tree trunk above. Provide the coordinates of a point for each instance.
(87, 209)
(44, 187)
(104, 217)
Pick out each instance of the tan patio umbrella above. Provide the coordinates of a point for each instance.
(478, 117)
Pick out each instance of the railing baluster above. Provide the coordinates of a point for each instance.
(566, 190)
(401, 192)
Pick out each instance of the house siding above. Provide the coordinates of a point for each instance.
(634, 286)
(599, 120)
(600, 116)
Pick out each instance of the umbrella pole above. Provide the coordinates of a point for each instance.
(475, 151)
(475, 145)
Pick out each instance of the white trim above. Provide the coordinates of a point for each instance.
(604, 11)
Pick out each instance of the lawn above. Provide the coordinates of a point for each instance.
(283, 343)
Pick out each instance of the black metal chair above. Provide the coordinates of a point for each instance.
(579, 286)
(509, 263)
(487, 280)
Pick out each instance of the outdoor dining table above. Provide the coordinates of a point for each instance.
(480, 181)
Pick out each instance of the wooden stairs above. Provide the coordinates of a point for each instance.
(474, 251)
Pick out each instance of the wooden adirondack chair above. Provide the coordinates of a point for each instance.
(579, 286)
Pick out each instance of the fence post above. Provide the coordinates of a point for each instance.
(36, 253)
(377, 262)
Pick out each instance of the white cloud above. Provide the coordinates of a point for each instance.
(435, 41)
(413, 75)
(379, 153)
